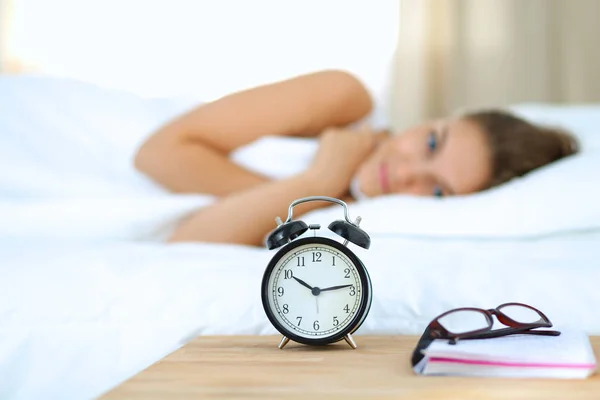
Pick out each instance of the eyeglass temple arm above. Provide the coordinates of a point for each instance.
(511, 331)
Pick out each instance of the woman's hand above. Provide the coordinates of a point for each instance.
(340, 154)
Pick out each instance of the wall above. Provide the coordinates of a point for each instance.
(205, 48)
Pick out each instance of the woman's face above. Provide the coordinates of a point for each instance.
(440, 158)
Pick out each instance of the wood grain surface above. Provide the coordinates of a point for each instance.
(252, 367)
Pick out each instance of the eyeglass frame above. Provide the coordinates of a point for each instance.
(435, 330)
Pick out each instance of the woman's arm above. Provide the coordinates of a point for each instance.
(246, 217)
(190, 154)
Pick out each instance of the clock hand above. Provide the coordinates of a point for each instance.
(300, 281)
(335, 288)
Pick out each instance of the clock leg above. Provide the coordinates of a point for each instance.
(284, 341)
(348, 338)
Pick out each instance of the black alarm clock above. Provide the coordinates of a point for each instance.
(315, 290)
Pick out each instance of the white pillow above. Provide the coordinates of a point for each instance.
(558, 198)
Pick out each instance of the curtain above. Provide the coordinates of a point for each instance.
(7, 62)
(3, 34)
(462, 54)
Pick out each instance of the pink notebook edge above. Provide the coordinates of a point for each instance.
(512, 364)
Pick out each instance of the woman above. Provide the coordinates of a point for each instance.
(454, 156)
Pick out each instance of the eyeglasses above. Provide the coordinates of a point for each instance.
(476, 323)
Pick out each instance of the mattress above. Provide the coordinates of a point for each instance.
(79, 318)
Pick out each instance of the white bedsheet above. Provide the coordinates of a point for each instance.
(77, 319)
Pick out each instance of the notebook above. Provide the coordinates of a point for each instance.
(567, 356)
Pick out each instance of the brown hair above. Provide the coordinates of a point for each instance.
(518, 146)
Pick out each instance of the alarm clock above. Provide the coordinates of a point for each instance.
(315, 290)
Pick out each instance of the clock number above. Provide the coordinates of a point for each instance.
(316, 325)
(280, 291)
(347, 309)
(335, 321)
(317, 256)
(286, 309)
(299, 320)
(301, 261)
(333, 257)
(288, 274)
(347, 272)
(352, 290)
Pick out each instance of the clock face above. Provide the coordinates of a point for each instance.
(315, 289)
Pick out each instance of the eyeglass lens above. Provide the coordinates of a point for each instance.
(463, 321)
(520, 314)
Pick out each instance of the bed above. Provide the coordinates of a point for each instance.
(89, 295)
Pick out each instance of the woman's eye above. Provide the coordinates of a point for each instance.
(432, 142)
(437, 192)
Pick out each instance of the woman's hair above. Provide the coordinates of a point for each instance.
(518, 146)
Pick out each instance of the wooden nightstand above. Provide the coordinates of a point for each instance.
(253, 367)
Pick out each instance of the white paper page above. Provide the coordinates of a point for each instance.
(571, 347)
